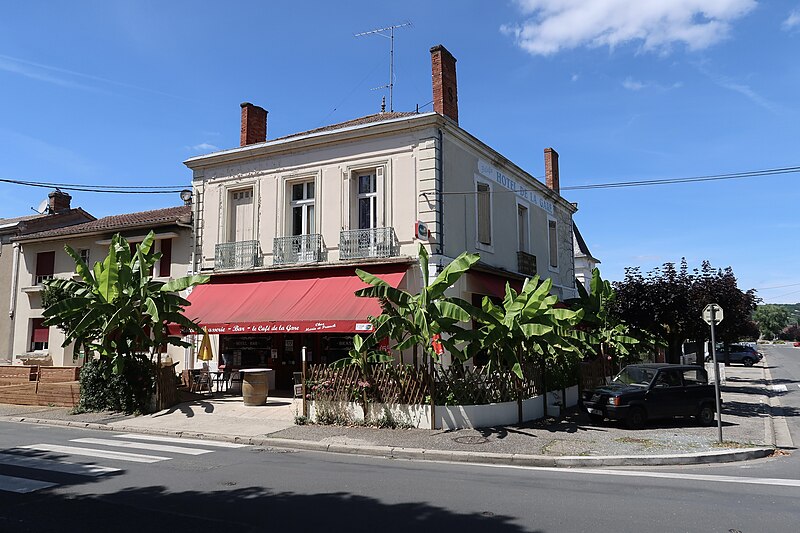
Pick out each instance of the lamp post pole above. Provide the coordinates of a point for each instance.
(303, 388)
(716, 371)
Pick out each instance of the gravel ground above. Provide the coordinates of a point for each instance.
(60, 413)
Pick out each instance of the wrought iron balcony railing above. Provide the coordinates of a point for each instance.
(366, 243)
(239, 255)
(526, 263)
(299, 249)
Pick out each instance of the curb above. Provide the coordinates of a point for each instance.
(419, 454)
(778, 434)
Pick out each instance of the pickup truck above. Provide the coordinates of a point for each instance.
(649, 391)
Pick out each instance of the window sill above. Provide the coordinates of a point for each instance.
(484, 247)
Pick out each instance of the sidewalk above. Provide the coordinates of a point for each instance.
(748, 431)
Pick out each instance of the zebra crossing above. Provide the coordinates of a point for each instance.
(41, 470)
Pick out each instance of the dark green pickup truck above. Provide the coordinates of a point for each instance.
(649, 391)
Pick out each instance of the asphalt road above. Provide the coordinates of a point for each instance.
(197, 486)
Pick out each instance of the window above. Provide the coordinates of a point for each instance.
(553, 240)
(302, 207)
(40, 335)
(84, 253)
(240, 215)
(484, 213)
(45, 266)
(165, 264)
(367, 201)
(694, 377)
(522, 227)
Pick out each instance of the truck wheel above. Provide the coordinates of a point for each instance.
(636, 418)
(747, 361)
(706, 415)
(596, 419)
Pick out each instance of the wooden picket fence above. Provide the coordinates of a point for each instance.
(39, 385)
(405, 384)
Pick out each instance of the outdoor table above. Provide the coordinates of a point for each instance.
(255, 385)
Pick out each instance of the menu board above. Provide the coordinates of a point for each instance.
(246, 342)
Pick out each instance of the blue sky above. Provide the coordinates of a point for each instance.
(122, 92)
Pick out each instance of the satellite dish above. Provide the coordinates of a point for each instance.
(42, 206)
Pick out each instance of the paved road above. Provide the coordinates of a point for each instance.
(68, 479)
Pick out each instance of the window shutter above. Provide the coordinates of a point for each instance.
(553, 233)
(484, 214)
(380, 189)
(40, 333)
(45, 264)
(165, 265)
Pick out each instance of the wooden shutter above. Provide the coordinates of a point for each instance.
(484, 214)
(553, 237)
(165, 266)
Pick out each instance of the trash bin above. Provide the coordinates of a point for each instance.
(255, 385)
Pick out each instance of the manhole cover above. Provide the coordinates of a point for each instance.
(229, 483)
(471, 439)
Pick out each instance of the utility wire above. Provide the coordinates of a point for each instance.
(111, 189)
(779, 286)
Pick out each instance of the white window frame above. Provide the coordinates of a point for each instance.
(226, 199)
(527, 244)
(478, 244)
(549, 246)
(350, 195)
(304, 204)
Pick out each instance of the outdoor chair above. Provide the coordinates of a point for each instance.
(236, 382)
(202, 380)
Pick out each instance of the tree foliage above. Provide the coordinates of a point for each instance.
(668, 302)
(771, 319)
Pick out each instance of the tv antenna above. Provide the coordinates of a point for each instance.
(383, 33)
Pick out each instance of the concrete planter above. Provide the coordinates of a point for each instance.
(449, 416)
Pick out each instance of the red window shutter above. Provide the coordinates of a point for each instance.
(41, 333)
(166, 258)
(45, 263)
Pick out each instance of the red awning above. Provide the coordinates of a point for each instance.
(490, 284)
(289, 302)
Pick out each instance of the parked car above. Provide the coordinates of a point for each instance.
(796, 345)
(649, 391)
(737, 353)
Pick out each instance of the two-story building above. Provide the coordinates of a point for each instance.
(282, 224)
(42, 256)
(56, 213)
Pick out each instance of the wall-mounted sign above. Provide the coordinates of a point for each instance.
(522, 190)
(421, 231)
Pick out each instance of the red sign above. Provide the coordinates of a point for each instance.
(309, 326)
(437, 344)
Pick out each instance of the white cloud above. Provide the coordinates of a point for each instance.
(554, 25)
(793, 20)
(575, 77)
(203, 147)
(633, 85)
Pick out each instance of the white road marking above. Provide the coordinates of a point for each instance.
(211, 443)
(143, 446)
(38, 463)
(22, 485)
(74, 450)
(663, 475)
(778, 388)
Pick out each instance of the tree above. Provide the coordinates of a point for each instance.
(116, 309)
(668, 303)
(414, 320)
(363, 358)
(771, 320)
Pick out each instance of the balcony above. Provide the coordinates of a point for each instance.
(368, 243)
(526, 263)
(239, 255)
(299, 249)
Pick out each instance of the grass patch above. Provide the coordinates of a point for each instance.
(647, 443)
(732, 444)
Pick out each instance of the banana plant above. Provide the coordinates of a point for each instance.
(611, 335)
(363, 357)
(420, 320)
(116, 309)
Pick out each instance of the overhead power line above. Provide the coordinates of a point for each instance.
(110, 189)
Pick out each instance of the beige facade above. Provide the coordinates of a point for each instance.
(93, 245)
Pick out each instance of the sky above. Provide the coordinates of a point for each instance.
(122, 92)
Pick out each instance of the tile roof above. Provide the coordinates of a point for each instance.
(368, 119)
(582, 247)
(155, 217)
(16, 220)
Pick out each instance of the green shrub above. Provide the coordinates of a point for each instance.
(128, 392)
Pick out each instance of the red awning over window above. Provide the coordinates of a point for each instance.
(40, 333)
(289, 302)
(490, 284)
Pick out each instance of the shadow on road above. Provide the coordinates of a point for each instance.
(241, 510)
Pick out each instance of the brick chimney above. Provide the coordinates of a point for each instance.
(58, 202)
(445, 88)
(551, 169)
(254, 124)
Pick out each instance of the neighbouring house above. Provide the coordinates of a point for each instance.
(42, 256)
(56, 213)
(282, 225)
(585, 262)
